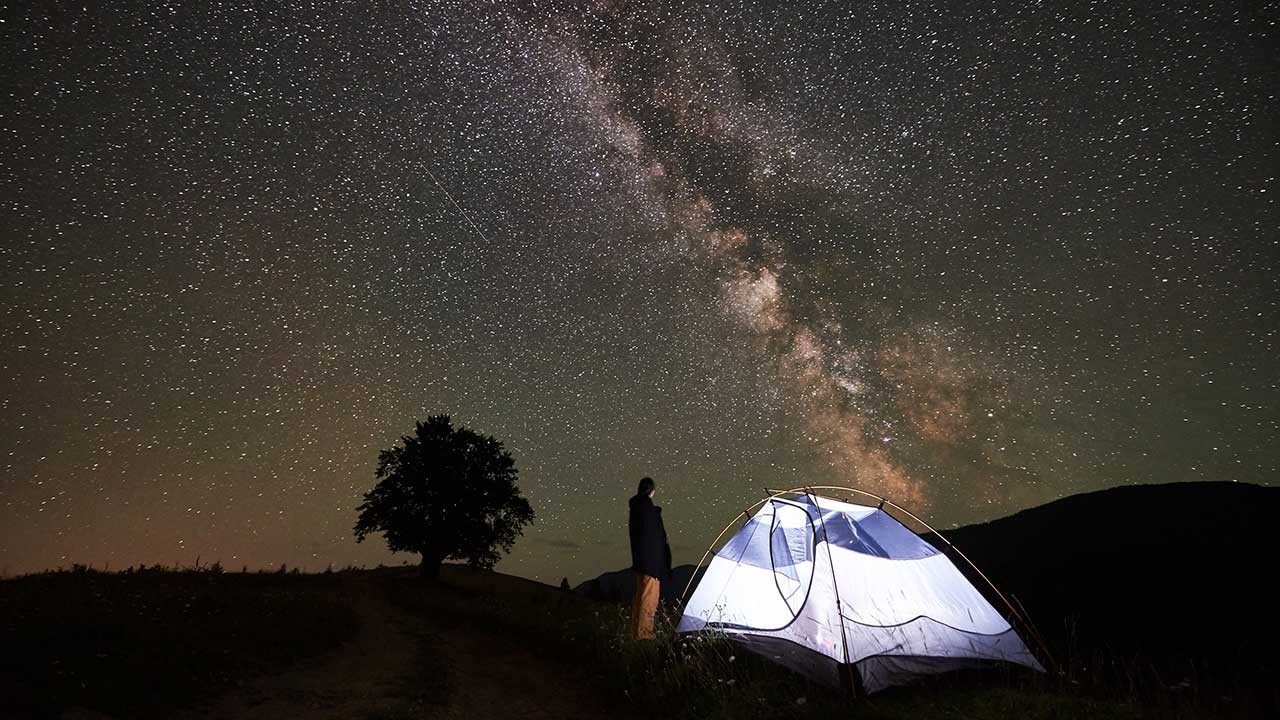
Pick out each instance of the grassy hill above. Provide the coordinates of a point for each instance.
(385, 644)
(139, 643)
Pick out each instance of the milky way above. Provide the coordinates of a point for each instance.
(972, 257)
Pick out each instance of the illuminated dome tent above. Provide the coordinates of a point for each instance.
(847, 595)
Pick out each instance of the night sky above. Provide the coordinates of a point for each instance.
(973, 256)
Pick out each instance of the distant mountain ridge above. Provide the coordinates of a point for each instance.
(620, 585)
(1180, 570)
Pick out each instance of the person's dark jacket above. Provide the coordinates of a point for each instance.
(650, 553)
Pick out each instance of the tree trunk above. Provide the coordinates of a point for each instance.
(430, 567)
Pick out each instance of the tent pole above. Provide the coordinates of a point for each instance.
(770, 494)
(808, 490)
(884, 501)
(745, 513)
(844, 638)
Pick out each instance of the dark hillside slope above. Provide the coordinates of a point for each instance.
(1182, 570)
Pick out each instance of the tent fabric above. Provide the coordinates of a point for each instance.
(903, 609)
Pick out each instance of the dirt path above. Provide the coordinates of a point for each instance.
(351, 682)
(400, 666)
(495, 677)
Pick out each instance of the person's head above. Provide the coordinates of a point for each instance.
(647, 486)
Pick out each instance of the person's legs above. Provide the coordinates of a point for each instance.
(633, 627)
(647, 594)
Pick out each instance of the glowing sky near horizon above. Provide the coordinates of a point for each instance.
(974, 257)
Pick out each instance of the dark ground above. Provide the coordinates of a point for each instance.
(362, 644)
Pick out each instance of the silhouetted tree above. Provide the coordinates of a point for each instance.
(447, 494)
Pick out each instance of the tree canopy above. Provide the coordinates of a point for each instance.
(448, 494)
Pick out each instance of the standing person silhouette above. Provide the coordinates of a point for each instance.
(650, 558)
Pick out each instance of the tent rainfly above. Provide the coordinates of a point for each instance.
(847, 595)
